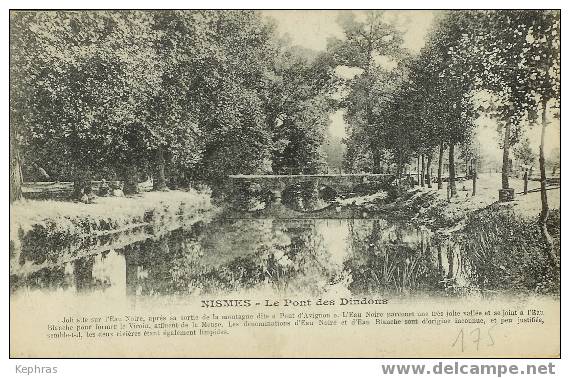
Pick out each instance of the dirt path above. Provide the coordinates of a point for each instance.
(488, 186)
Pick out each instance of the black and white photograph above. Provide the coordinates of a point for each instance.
(284, 183)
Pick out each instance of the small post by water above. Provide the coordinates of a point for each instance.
(526, 181)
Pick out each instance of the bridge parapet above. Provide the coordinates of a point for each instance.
(338, 182)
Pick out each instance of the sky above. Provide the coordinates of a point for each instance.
(312, 29)
(488, 137)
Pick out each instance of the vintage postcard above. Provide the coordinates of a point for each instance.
(293, 183)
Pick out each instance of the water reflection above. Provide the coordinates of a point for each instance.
(386, 258)
(310, 256)
(302, 197)
(250, 197)
(308, 196)
(231, 256)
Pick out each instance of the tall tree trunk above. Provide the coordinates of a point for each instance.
(440, 260)
(440, 167)
(132, 254)
(83, 273)
(159, 180)
(376, 161)
(130, 179)
(549, 244)
(506, 165)
(422, 178)
(81, 182)
(399, 168)
(398, 172)
(15, 170)
(450, 260)
(428, 168)
(79, 175)
(419, 171)
(451, 182)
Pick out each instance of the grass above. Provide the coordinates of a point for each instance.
(25, 214)
(501, 240)
(507, 252)
(430, 206)
(48, 231)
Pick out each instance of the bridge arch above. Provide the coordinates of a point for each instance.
(277, 184)
(308, 196)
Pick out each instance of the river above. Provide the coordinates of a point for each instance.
(283, 256)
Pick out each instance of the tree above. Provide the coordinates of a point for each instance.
(425, 104)
(230, 55)
(497, 44)
(542, 57)
(303, 134)
(443, 91)
(15, 168)
(523, 153)
(519, 62)
(80, 81)
(137, 92)
(298, 107)
(366, 44)
(516, 56)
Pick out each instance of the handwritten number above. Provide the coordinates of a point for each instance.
(491, 336)
(476, 333)
(477, 339)
(460, 335)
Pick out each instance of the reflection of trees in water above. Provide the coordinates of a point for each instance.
(311, 268)
(48, 278)
(502, 252)
(387, 258)
(308, 196)
(310, 256)
(153, 267)
(288, 256)
(83, 273)
(236, 256)
(77, 274)
(453, 267)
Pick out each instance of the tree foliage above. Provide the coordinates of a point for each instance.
(368, 43)
(203, 94)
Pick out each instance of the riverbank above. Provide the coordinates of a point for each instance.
(48, 233)
(501, 240)
(431, 207)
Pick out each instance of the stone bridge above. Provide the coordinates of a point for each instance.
(340, 183)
